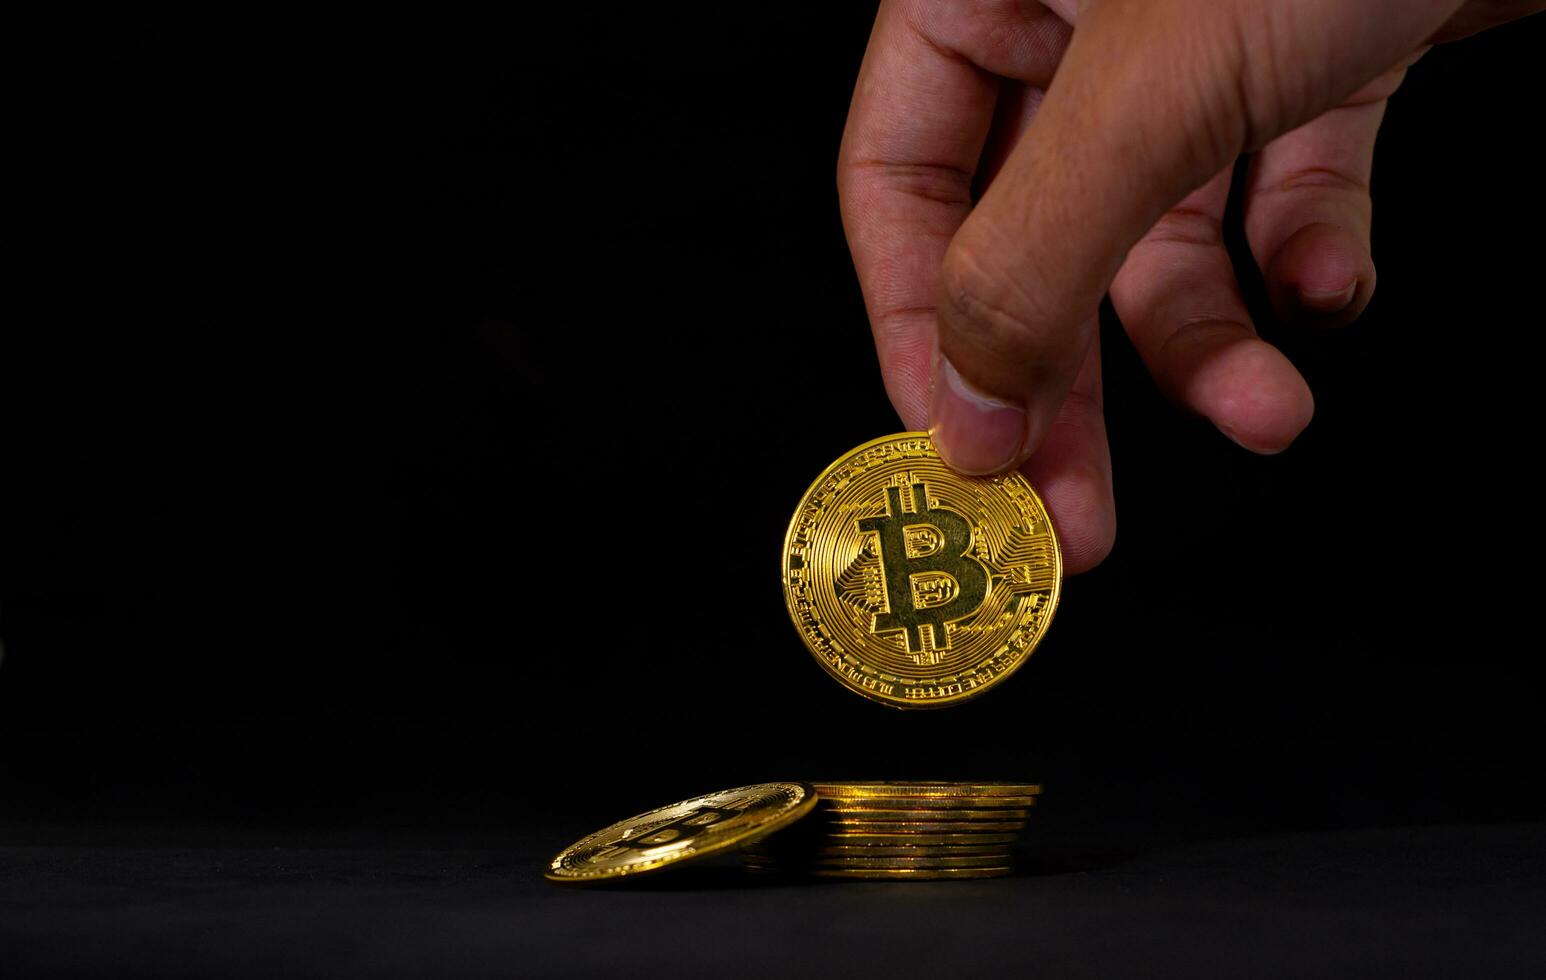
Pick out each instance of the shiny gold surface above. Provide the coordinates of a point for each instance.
(928, 803)
(910, 874)
(921, 827)
(913, 585)
(882, 850)
(860, 828)
(899, 839)
(943, 792)
(972, 861)
(673, 834)
(846, 813)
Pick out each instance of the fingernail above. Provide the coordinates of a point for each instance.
(1316, 301)
(974, 432)
(1234, 438)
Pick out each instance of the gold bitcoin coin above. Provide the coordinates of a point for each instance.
(922, 803)
(857, 813)
(909, 874)
(691, 829)
(879, 850)
(978, 861)
(868, 837)
(1000, 855)
(913, 585)
(930, 791)
(920, 827)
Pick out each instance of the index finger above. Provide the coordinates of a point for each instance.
(921, 113)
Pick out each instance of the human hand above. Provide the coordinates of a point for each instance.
(1001, 172)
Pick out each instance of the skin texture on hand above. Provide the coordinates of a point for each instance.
(1008, 164)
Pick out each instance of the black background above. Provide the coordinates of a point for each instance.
(404, 439)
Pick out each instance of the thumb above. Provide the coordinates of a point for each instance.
(1152, 98)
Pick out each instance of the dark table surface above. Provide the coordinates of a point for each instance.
(1436, 901)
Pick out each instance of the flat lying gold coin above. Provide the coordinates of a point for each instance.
(913, 585)
(945, 791)
(846, 813)
(693, 828)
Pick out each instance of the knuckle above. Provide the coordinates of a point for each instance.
(963, 282)
(1082, 409)
(989, 312)
(1192, 339)
(939, 183)
(993, 34)
(1321, 179)
(904, 339)
(1186, 226)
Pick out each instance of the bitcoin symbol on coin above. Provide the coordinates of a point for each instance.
(681, 829)
(682, 832)
(925, 587)
(916, 586)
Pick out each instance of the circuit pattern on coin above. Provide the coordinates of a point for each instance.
(673, 834)
(913, 585)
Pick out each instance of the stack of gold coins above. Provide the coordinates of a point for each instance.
(909, 831)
